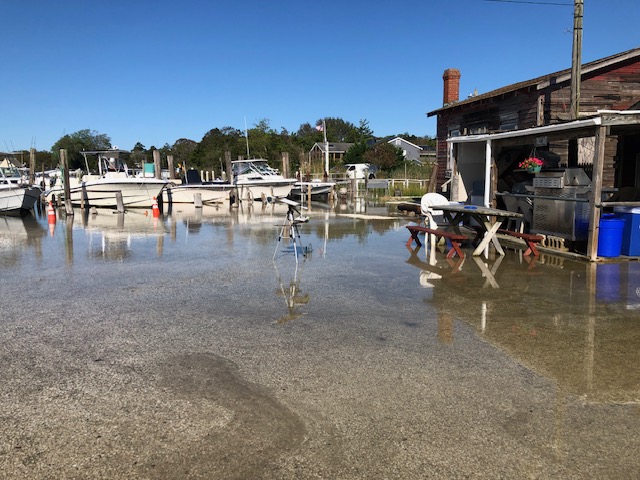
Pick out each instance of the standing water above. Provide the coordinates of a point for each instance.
(187, 346)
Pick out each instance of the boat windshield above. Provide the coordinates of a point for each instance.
(10, 171)
(10, 174)
(261, 167)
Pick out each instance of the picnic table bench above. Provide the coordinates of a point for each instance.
(455, 239)
(530, 239)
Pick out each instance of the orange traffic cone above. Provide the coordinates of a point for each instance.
(51, 214)
(154, 208)
(51, 218)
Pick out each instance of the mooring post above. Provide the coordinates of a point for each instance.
(156, 164)
(64, 161)
(172, 172)
(32, 166)
(119, 202)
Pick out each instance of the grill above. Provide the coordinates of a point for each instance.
(561, 205)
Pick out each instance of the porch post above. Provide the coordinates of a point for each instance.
(453, 168)
(596, 192)
(487, 173)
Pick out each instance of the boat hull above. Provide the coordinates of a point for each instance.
(317, 189)
(18, 200)
(256, 190)
(209, 193)
(136, 192)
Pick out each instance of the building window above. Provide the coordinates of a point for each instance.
(478, 129)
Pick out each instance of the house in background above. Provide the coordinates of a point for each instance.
(428, 154)
(336, 152)
(9, 160)
(611, 83)
(409, 150)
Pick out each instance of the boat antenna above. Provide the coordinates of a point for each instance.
(246, 135)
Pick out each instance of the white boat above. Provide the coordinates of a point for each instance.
(210, 192)
(113, 175)
(16, 197)
(255, 179)
(318, 189)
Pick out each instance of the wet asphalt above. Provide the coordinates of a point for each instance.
(180, 347)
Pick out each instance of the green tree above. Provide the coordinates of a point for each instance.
(339, 130)
(182, 150)
(209, 153)
(385, 156)
(356, 153)
(139, 154)
(76, 142)
(364, 131)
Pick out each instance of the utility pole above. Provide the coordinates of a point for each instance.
(578, 12)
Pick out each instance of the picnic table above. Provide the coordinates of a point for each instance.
(488, 219)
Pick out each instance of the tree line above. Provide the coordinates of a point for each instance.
(260, 141)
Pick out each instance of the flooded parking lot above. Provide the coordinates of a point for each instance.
(179, 347)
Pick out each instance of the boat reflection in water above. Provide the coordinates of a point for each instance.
(585, 335)
(110, 235)
(18, 237)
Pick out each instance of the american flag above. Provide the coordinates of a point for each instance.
(320, 128)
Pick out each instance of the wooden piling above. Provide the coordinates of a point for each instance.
(285, 165)
(156, 164)
(172, 172)
(119, 202)
(64, 161)
(84, 201)
(229, 166)
(32, 166)
(197, 200)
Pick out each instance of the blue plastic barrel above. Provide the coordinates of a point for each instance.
(610, 236)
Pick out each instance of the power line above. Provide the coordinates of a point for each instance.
(533, 2)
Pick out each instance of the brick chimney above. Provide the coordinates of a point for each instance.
(451, 79)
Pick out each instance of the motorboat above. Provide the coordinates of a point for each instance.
(16, 196)
(318, 189)
(210, 192)
(113, 176)
(256, 180)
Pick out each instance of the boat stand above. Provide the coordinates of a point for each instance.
(290, 227)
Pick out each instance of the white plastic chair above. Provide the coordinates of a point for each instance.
(428, 201)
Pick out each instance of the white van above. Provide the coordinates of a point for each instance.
(361, 170)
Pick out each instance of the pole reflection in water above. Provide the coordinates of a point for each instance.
(292, 294)
(578, 335)
(68, 242)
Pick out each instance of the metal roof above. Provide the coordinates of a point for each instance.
(545, 80)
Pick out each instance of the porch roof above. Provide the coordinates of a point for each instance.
(574, 128)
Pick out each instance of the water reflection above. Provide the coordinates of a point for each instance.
(18, 236)
(573, 322)
(292, 294)
(111, 234)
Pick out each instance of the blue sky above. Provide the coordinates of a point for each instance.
(156, 71)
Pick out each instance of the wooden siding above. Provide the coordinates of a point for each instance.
(615, 87)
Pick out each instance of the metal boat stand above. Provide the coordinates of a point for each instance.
(290, 227)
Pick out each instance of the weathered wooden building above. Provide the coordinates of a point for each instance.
(611, 83)
(588, 161)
